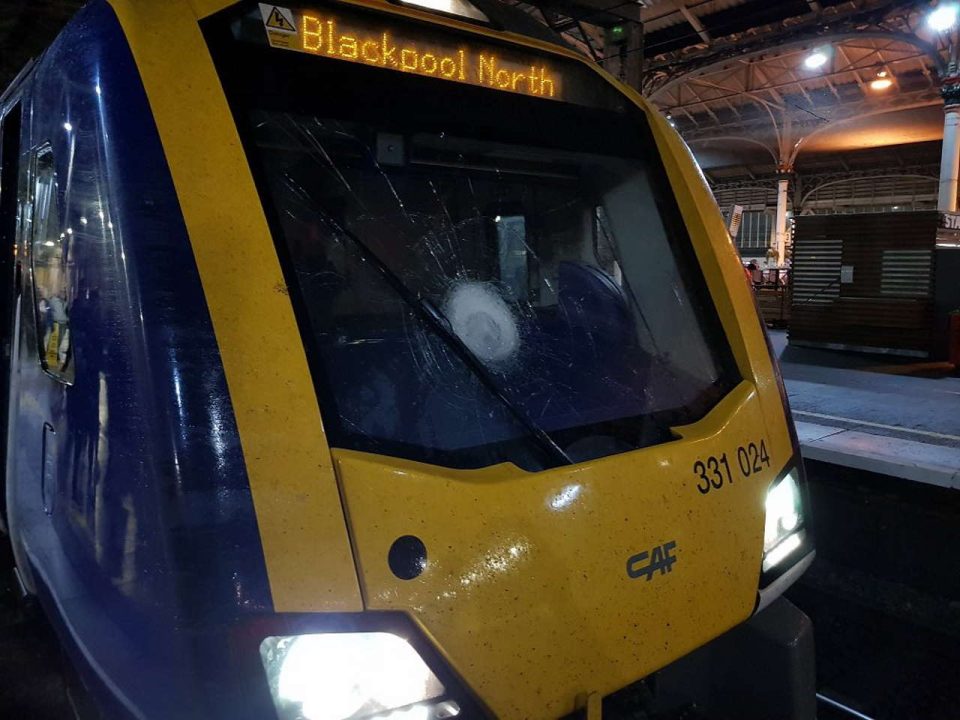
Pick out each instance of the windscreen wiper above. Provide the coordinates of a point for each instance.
(434, 317)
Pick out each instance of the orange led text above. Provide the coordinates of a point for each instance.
(323, 36)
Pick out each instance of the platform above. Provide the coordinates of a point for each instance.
(908, 459)
(905, 427)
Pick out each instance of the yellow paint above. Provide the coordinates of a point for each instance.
(724, 275)
(594, 707)
(205, 8)
(526, 589)
(295, 494)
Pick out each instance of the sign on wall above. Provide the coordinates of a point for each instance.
(736, 217)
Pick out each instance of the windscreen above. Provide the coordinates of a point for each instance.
(479, 276)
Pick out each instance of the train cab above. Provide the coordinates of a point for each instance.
(377, 359)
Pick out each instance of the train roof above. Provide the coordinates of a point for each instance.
(502, 16)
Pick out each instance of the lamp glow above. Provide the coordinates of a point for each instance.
(451, 7)
(815, 60)
(943, 18)
(783, 532)
(882, 82)
(342, 676)
(783, 511)
(781, 551)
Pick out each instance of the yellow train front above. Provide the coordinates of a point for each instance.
(385, 360)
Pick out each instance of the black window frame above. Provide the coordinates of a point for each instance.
(226, 53)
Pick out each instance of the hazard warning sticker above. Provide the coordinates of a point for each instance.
(280, 25)
(277, 18)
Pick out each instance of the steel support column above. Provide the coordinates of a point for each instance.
(780, 229)
(631, 56)
(950, 154)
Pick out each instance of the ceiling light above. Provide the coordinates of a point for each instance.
(817, 59)
(451, 7)
(943, 18)
(882, 82)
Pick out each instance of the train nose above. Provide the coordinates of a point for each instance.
(541, 587)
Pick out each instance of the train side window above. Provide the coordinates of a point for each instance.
(50, 255)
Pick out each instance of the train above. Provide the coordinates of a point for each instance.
(370, 359)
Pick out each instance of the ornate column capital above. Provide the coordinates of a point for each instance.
(950, 92)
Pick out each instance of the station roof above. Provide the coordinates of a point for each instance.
(730, 74)
(733, 78)
(26, 28)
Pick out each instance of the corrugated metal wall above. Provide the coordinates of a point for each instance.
(864, 281)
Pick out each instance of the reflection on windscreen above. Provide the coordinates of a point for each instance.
(474, 302)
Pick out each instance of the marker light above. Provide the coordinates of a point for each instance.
(943, 18)
(784, 513)
(817, 59)
(451, 7)
(349, 676)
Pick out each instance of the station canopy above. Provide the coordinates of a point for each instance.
(758, 85)
(752, 85)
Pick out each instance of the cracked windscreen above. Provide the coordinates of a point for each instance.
(471, 295)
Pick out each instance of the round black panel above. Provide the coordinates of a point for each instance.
(407, 557)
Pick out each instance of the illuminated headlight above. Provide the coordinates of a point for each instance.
(349, 676)
(781, 533)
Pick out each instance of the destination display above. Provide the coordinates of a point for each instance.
(355, 38)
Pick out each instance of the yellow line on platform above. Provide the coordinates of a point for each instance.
(896, 428)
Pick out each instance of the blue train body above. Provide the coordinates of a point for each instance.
(128, 501)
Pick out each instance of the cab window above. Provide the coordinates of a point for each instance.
(471, 289)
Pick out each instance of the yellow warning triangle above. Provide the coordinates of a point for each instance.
(277, 21)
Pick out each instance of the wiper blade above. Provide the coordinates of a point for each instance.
(433, 316)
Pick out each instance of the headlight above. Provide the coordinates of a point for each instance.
(349, 676)
(781, 533)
